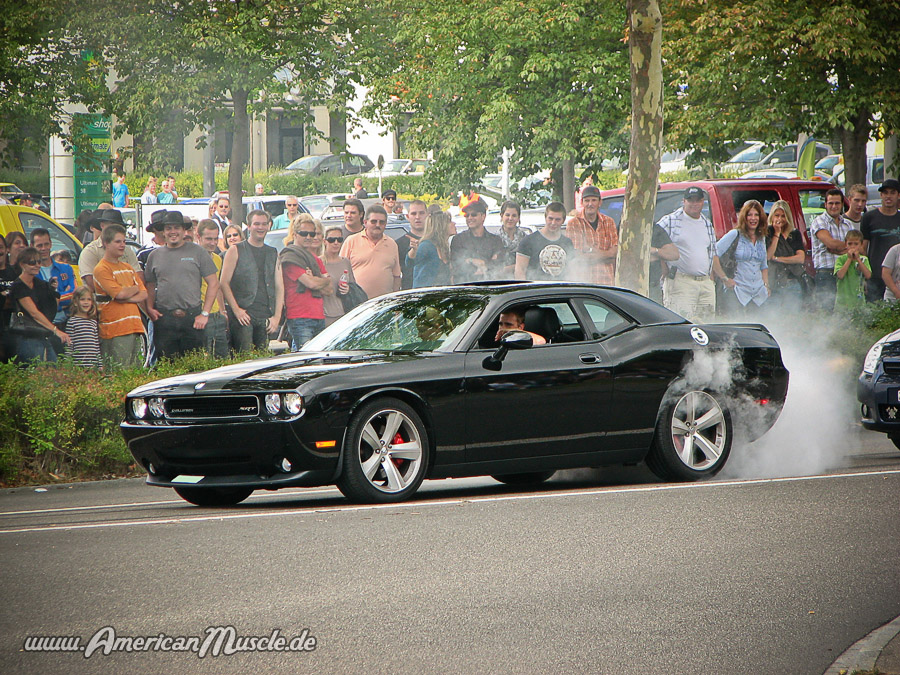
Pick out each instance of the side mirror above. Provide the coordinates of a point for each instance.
(514, 339)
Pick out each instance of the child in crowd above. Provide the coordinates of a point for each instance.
(83, 329)
(890, 274)
(851, 271)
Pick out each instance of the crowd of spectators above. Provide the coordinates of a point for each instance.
(216, 286)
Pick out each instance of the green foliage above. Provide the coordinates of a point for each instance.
(61, 422)
(772, 69)
(30, 180)
(549, 80)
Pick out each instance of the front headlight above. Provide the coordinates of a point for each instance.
(873, 355)
(293, 403)
(139, 408)
(273, 403)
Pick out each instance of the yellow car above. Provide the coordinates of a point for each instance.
(25, 219)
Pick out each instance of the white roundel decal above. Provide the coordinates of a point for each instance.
(700, 337)
(553, 260)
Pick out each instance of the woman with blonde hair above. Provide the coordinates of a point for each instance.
(745, 245)
(430, 261)
(306, 280)
(786, 255)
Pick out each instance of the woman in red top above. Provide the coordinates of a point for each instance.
(305, 281)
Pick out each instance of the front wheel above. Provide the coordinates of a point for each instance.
(224, 496)
(693, 437)
(386, 454)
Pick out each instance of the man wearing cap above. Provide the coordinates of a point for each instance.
(93, 252)
(881, 230)
(253, 286)
(689, 288)
(283, 221)
(595, 237)
(373, 256)
(389, 200)
(155, 228)
(476, 254)
(828, 231)
(172, 277)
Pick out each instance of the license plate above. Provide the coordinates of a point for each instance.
(188, 479)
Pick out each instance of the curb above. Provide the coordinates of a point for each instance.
(863, 654)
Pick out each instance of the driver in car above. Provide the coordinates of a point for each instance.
(514, 319)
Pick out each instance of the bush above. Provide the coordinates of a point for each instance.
(34, 180)
(61, 422)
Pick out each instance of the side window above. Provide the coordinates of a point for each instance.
(58, 238)
(330, 165)
(555, 321)
(606, 320)
(813, 203)
(787, 154)
(878, 170)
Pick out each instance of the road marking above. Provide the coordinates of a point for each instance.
(449, 502)
(94, 507)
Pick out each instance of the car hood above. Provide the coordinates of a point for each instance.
(288, 371)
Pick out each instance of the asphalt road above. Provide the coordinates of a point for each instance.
(597, 571)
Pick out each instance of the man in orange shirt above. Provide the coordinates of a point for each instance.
(595, 238)
(119, 289)
(375, 258)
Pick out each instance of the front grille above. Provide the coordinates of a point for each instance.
(891, 365)
(204, 407)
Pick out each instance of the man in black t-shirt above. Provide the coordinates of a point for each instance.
(881, 231)
(546, 255)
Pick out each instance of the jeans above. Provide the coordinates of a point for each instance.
(303, 330)
(174, 335)
(243, 338)
(216, 335)
(826, 289)
(30, 348)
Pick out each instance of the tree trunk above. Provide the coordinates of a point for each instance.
(568, 184)
(854, 142)
(644, 47)
(240, 137)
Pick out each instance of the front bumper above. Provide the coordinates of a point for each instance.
(879, 397)
(262, 454)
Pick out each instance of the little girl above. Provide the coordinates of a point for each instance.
(83, 328)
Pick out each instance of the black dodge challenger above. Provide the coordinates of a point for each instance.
(426, 384)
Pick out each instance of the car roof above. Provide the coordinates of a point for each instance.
(707, 185)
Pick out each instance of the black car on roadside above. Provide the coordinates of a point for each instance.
(878, 388)
(416, 385)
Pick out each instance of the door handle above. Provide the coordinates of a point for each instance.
(589, 358)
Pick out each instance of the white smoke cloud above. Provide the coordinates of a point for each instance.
(819, 419)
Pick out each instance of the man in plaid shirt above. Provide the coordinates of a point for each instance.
(595, 237)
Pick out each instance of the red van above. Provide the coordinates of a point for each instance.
(726, 197)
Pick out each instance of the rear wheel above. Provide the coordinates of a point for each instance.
(224, 496)
(531, 478)
(693, 437)
(386, 455)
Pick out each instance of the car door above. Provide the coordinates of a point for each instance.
(546, 401)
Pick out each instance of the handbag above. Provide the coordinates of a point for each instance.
(355, 296)
(24, 325)
(727, 259)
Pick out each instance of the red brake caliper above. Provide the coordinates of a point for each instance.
(396, 440)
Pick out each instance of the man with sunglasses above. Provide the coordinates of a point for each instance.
(252, 286)
(283, 221)
(374, 257)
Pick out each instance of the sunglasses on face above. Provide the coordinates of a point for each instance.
(334, 240)
(306, 234)
(31, 262)
(232, 235)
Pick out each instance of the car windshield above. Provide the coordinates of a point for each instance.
(421, 322)
(307, 163)
(395, 165)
